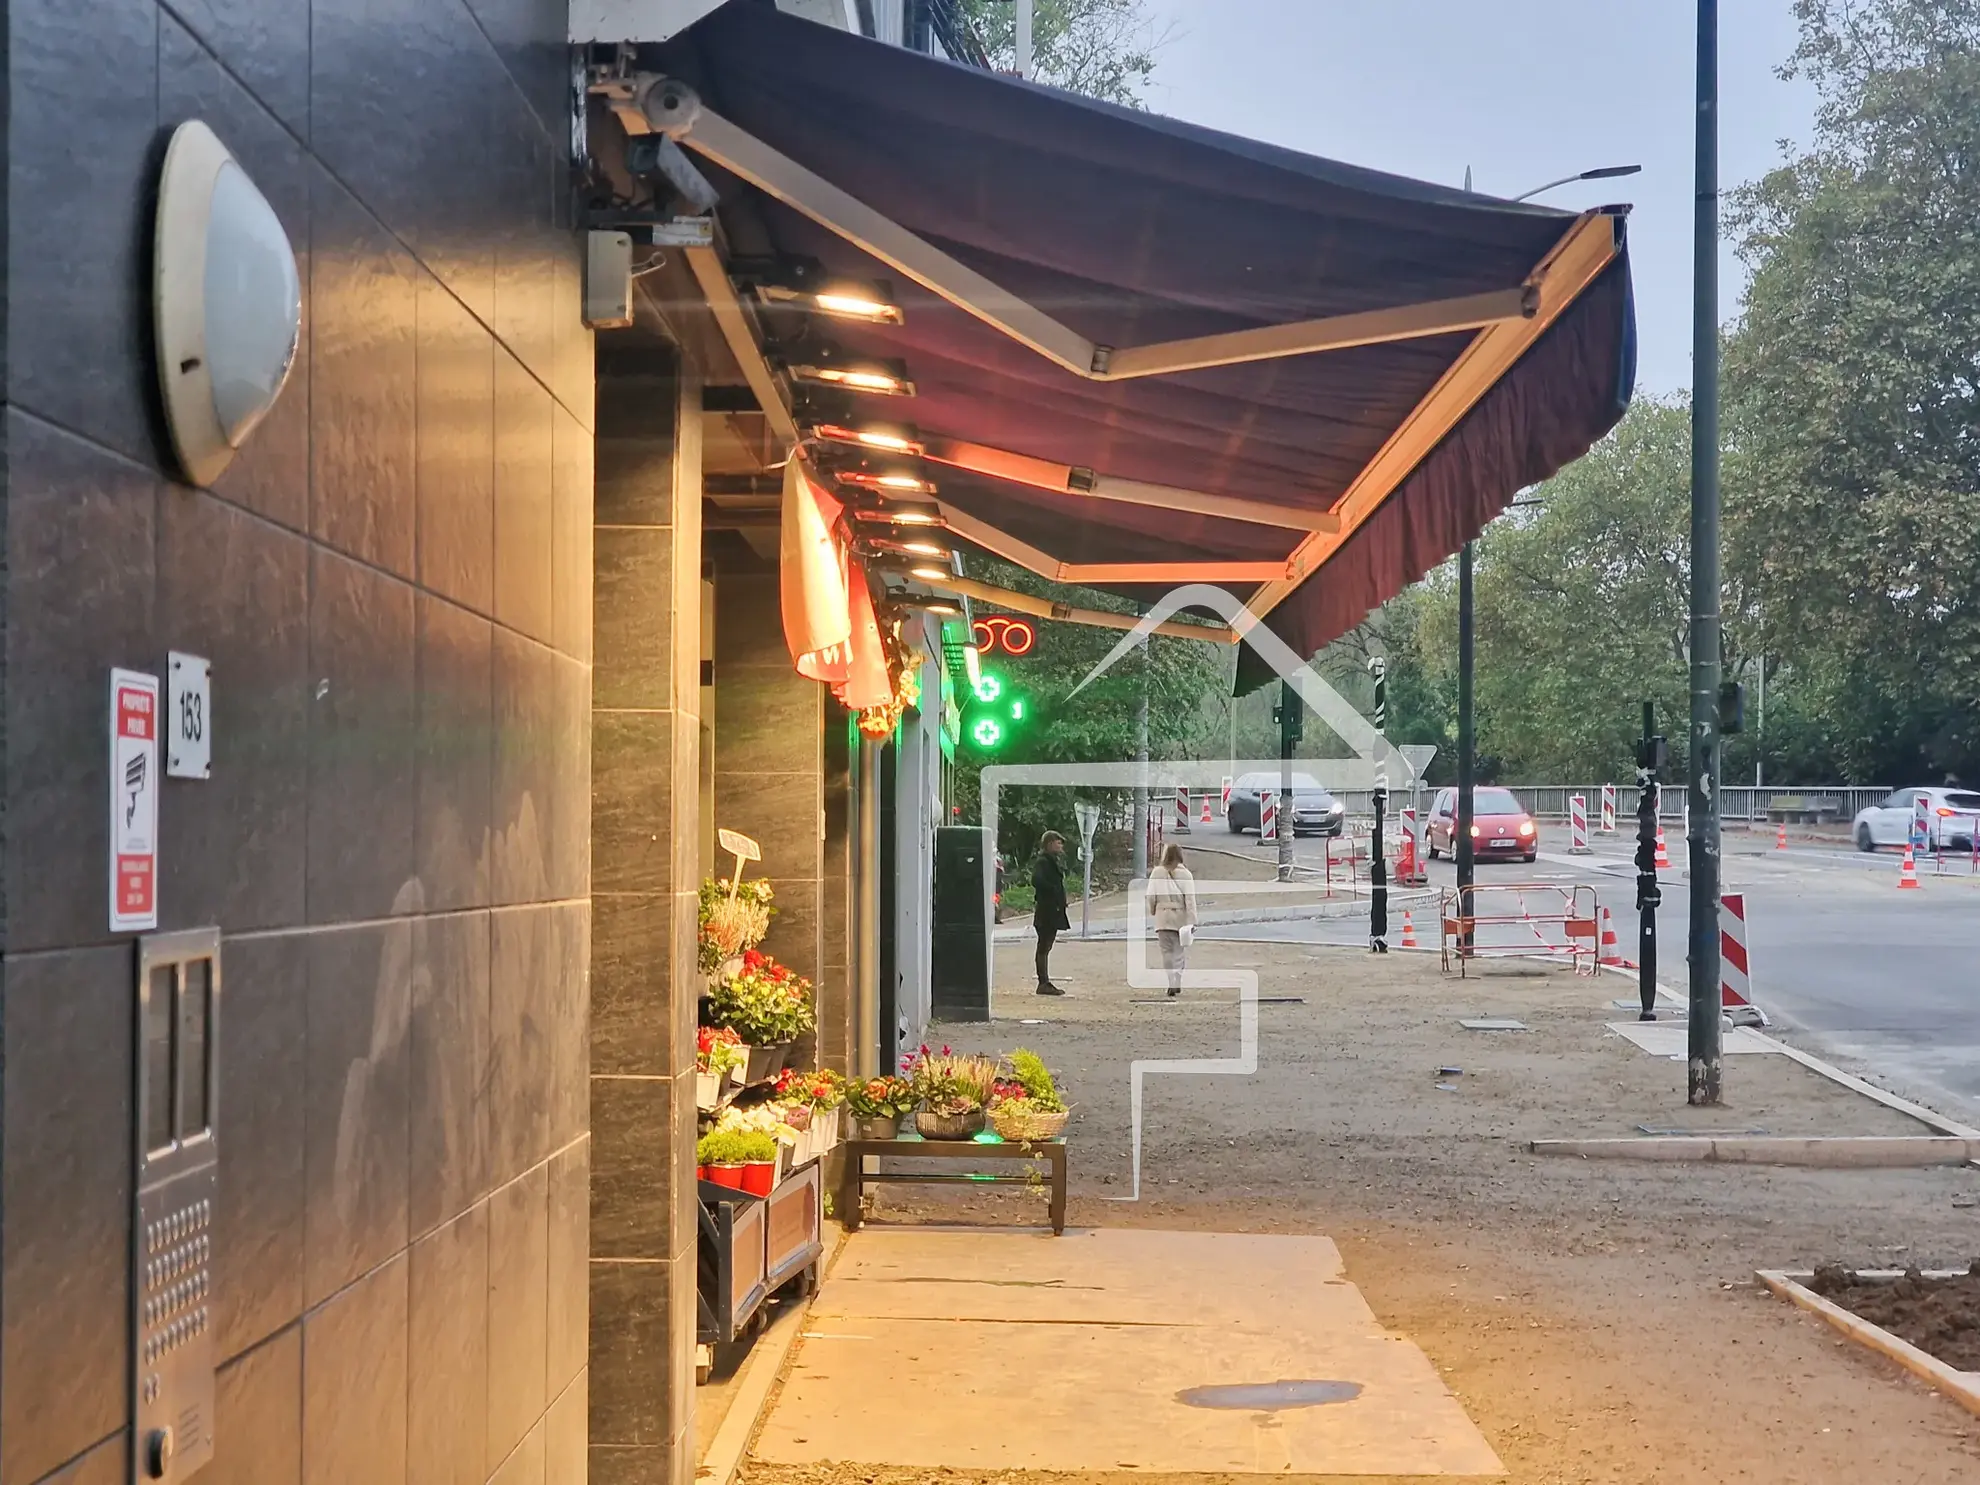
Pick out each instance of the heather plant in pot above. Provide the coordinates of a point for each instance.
(953, 1089)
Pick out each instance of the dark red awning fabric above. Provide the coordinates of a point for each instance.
(1130, 229)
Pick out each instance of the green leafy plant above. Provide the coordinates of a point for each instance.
(1036, 1079)
(880, 1098)
(732, 1147)
(763, 1002)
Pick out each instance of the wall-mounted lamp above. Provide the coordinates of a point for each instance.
(886, 481)
(226, 302)
(892, 439)
(870, 303)
(830, 367)
(899, 515)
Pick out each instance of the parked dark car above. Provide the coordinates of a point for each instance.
(1315, 811)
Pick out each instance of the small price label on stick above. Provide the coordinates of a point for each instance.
(743, 849)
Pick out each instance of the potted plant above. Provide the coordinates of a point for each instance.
(719, 1055)
(732, 922)
(876, 1105)
(720, 1154)
(759, 1156)
(1028, 1106)
(765, 1004)
(953, 1090)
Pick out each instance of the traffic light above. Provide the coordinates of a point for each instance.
(995, 712)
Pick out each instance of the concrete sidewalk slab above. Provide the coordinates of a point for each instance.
(982, 1350)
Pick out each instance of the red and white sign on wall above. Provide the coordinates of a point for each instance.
(133, 801)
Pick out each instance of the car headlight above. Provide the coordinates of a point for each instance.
(1526, 827)
(1337, 809)
(1475, 832)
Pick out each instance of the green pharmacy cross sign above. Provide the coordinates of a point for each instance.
(995, 712)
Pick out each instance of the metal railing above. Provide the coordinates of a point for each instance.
(1742, 803)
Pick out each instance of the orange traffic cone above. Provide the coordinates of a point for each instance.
(1663, 855)
(1409, 931)
(1206, 809)
(1908, 874)
(1780, 837)
(1611, 952)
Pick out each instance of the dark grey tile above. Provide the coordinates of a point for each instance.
(569, 863)
(768, 717)
(518, 1309)
(363, 804)
(265, 43)
(363, 380)
(749, 622)
(235, 589)
(527, 730)
(530, 38)
(568, 1040)
(780, 810)
(570, 536)
(447, 1354)
(633, 457)
(456, 467)
(631, 956)
(108, 1463)
(523, 957)
(575, 358)
(633, 1165)
(449, 1061)
(632, 818)
(79, 291)
(81, 539)
(565, 1427)
(525, 164)
(633, 1351)
(524, 1466)
(257, 1425)
(66, 1191)
(456, 754)
(636, 1464)
(356, 1116)
(270, 474)
(259, 1268)
(795, 938)
(523, 484)
(354, 1383)
(569, 1254)
(636, 611)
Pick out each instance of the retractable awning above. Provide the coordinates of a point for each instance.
(1144, 353)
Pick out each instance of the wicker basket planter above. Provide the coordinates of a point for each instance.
(1027, 1124)
(933, 1126)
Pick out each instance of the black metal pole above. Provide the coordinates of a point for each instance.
(1705, 1040)
(1467, 858)
(1378, 867)
(1649, 896)
(1289, 733)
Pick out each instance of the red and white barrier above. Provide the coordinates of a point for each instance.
(1735, 964)
(1578, 825)
(1268, 817)
(1608, 809)
(1227, 796)
(1182, 809)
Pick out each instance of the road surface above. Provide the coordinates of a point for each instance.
(1871, 974)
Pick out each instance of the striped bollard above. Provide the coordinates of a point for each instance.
(1227, 796)
(1268, 818)
(1578, 825)
(1608, 809)
(1735, 970)
(1182, 809)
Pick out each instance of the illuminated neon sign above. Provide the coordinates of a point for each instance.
(994, 632)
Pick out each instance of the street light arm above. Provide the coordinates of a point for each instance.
(1602, 172)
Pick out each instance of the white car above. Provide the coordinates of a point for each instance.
(1950, 819)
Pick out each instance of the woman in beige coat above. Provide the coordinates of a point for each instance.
(1172, 906)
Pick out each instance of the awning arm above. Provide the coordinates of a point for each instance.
(1045, 608)
(1036, 560)
(733, 321)
(779, 176)
(1568, 269)
(1067, 479)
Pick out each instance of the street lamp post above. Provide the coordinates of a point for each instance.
(1705, 1043)
(1601, 172)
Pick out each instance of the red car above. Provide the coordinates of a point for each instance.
(1500, 826)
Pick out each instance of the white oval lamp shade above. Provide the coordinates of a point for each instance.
(227, 302)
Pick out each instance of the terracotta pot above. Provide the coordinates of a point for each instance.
(759, 1177)
(727, 1175)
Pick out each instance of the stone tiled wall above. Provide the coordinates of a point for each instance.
(646, 848)
(769, 763)
(393, 583)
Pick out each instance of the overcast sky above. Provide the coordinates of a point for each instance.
(1522, 91)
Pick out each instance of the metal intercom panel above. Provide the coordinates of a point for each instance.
(172, 1309)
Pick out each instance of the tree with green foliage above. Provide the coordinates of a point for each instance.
(1853, 386)
(1103, 49)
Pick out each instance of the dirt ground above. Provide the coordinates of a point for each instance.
(1598, 1319)
(1940, 1316)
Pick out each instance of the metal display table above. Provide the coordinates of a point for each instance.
(911, 1146)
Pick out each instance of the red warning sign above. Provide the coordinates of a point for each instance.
(133, 801)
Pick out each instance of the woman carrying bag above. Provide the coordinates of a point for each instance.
(1172, 906)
